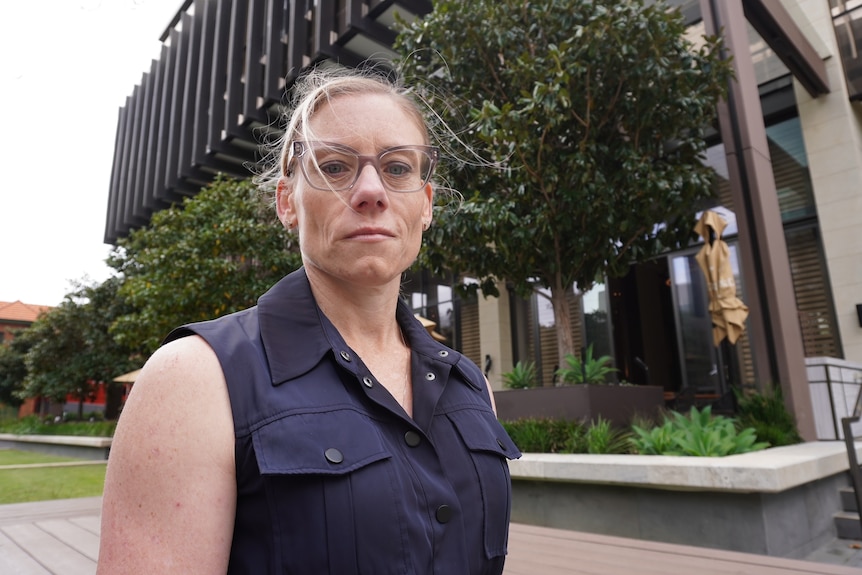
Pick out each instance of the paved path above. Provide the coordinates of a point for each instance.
(62, 537)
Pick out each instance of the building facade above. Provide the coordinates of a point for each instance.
(787, 159)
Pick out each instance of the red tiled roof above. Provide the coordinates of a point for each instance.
(20, 311)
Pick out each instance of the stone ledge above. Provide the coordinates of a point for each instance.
(79, 440)
(770, 471)
(81, 447)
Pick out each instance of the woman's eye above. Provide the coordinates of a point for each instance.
(333, 169)
(398, 169)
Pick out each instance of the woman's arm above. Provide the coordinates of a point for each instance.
(170, 490)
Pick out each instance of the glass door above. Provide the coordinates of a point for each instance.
(702, 364)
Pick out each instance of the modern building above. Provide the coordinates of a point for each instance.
(788, 174)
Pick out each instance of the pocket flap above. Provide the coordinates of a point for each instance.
(481, 431)
(330, 443)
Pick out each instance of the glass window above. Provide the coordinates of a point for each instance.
(847, 21)
(597, 322)
(456, 320)
(789, 169)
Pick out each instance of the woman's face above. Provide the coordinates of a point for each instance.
(364, 235)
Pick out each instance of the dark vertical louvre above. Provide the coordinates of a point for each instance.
(151, 198)
(219, 85)
(133, 154)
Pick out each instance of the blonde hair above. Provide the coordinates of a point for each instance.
(317, 87)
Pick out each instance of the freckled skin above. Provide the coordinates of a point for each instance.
(170, 488)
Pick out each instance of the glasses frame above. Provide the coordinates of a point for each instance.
(300, 147)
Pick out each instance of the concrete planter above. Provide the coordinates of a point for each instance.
(63, 445)
(583, 402)
(780, 502)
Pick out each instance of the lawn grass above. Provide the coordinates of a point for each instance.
(44, 483)
(41, 484)
(16, 457)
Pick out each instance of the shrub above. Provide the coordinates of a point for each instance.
(602, 437)
(589, 370)
(768, 416)
(542, 435)
(545, 435)
(522, 376)
(697, 434)
(32, 425)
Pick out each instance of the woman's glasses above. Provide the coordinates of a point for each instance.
(336, 167)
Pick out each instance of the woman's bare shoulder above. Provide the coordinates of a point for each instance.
(171, 481)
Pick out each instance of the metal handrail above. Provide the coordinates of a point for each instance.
(850, 443)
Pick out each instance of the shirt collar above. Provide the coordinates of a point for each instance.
(297, 335)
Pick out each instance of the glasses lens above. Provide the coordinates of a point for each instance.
(328, 168)
(401, 169)
(404, 169)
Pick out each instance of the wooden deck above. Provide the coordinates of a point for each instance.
(62, 537)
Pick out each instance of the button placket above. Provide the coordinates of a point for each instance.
(412, 438)
(443, 514)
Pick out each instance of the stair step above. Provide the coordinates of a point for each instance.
(848, 499)
(848, 525)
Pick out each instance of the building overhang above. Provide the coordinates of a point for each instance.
(778, 29)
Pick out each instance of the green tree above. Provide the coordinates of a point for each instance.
(13, 369)
(71, 348)
(595, 113)
(214, 254)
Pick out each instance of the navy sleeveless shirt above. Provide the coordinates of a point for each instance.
(332, 475)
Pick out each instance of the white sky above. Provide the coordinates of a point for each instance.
(66, 68)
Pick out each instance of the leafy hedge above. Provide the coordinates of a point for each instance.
(696, 433)
(33, 425)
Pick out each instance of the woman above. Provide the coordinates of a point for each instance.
(324, 430)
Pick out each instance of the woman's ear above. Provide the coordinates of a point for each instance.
(284, 203)
(428, 205)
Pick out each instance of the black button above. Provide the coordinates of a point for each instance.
(333, 455)
(500, 443)
(412, 438)
(444, 514)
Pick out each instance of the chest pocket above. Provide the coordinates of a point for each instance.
(329, 443)
(489, 447)
(332, 493)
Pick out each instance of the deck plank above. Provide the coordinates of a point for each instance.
(91, 523)
(74, 536)
(62, 538)
(533, 549)
(16, 561)
(55, 555)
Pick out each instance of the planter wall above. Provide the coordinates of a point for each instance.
(63, 445)
(781, 501)
(583, 402)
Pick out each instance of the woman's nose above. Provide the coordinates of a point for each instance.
(368, 191)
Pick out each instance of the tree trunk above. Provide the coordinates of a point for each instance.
(562, 320)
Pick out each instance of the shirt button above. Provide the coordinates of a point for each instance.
(367, 381)
(333, 455)
(345, 356)
(443, 353)
(412, 438)
(443, 514)
(501, 444)
(430, 376)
